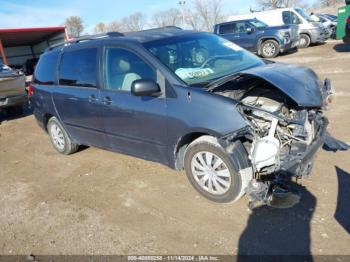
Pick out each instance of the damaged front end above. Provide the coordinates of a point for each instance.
(282, 135)
(283, 147)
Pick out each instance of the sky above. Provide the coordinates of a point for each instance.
(37, 13)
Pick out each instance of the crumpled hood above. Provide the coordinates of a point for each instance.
(301, 84)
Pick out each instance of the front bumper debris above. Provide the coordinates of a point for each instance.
(333, 144)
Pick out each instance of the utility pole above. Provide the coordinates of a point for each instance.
(182, 6)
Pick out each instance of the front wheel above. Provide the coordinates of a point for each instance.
(270, 49)
(304, 41)
(212, 172)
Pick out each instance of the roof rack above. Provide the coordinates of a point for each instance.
(109, 34)
(85, 38)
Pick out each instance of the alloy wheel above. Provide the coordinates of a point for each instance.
(57, 136)
(269, 49)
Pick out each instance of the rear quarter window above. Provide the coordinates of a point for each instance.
(289, 18)
(45, 71)
(79, 68)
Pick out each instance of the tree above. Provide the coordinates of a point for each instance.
(100, 28)
(115, 26)
(74, 25)
(193, 20)
(271, 4)
(170, 17)
(134, 22)
(331, 2)
(204, 14)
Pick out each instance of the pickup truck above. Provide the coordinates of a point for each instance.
(256, 36)
(12, 88)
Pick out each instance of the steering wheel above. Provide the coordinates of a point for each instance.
(214, 58)
(200, 55)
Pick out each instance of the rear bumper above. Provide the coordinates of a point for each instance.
(13, 100)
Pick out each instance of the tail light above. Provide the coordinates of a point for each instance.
(30, 90)
(348, 20)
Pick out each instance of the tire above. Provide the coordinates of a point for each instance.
(59, 137)
(231, 184)
(304, 41)
(269, 49)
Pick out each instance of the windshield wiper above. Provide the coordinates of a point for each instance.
(211, 86)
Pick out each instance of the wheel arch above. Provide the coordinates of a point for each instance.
(46, 118)
(308, 35)
(235, 153)
(183, 142)
(264, 39)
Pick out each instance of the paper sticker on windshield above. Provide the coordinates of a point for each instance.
(232, 46)
(190, 73)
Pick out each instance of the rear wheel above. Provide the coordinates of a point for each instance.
(212, 172)
(270, 49)
(304, 41)
(59, 137)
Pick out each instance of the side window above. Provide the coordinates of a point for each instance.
(122, 68)
(45, 72)
(79, 68)
(287, 19)
(295, 19)
(227, 29)
(290, 18)
(241, 27)
(321, 19)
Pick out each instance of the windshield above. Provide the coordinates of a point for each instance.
(258, 23)
(201, 58)
(305, 15)
(333, 18)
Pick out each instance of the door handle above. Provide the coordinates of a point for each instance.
(92, 99)
(107, 101)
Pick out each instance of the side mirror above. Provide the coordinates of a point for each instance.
(249, 30)
(145, 87)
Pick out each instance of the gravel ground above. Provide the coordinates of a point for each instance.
(98, 202)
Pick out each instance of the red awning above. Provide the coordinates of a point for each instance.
(28, 36)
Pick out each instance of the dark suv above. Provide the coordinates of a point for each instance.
(186, 99)
(256, 36)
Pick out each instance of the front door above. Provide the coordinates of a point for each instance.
(231, 33)
(247, 36)
(133, 125)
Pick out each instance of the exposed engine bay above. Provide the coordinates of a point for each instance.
(282, 136)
